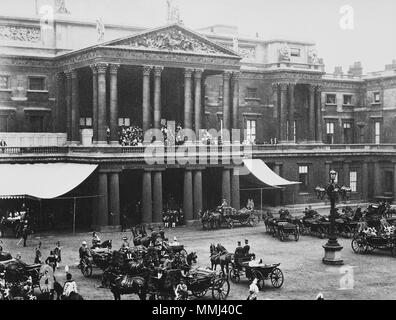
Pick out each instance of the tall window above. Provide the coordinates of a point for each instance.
(294, 132)
(85, 122)
(377, 97)
(251, 93)
(251, 130)
(377, 132)
(347, 99)
(220, 91)
(303, 177)
(37, 83)
(4, 82)
(353, 181)
(347, 132)
(388, 185)
(330, 132)
(331, 99)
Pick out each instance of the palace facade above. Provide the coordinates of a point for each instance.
(64, 97)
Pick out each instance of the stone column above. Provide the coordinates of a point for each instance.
(364, 182)
(157, 96)
(68, 105)
(226, 186)
(197, 101)
(235, 100)
(291, 113)
(377, 179)
(146, 99)
(94, 103)
(102, 105)
(114, 103)
(319, 135)
(157, 197)
(345, 170)
(75, 111)
(275, 101)
(197, 193)
(226, 102)
(283, 112)
(188, 196)
(60, 93)
(114, 200)
(188, 107)
(103, 218)
(235, 201)
(147, 199)
(311, 112)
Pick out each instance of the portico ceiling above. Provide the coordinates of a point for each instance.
(170, 46)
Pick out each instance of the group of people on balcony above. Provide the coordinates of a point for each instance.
(132, 136)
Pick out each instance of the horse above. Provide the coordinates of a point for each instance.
(220, 256)
(126, 284)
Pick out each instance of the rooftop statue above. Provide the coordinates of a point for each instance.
(284, 52)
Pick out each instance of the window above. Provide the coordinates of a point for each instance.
(126, 122)
(347, 99)
(251, 93)
(331, 99)
(36, 123)
(353, 181)
(303, 177)
(295, 52)
(388, 178)
(330, 132)
(4, 82)
(251, 130)
(348, 137)
(377, 132)
(36, 83)
(294, 132)
(377, 97)
(85, 122)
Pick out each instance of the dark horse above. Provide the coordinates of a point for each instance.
(126, 284)
(220, 256)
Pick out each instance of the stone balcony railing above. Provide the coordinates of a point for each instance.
(225, 150)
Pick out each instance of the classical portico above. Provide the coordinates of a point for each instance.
(297, 99)
(150, 79)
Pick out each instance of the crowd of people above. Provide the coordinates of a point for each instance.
(172, 218)
(131, 136)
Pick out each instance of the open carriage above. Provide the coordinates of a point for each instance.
(254, 269)
(283, 227)
(366, 243)
(228, 217)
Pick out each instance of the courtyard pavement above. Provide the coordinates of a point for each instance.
(369, 276)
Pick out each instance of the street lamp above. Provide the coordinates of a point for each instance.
(333, 191)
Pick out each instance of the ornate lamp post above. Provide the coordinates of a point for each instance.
(334, 192)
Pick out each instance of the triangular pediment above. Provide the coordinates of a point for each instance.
(173, 38)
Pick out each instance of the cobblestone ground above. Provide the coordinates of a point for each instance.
(305, 274)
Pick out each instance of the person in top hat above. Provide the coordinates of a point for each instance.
(38, 256)
(246, 248)
(58, 253)
(95, 240)
(239, 253)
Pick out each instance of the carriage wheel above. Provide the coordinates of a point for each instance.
(221, 289)
(296, 235)
(277, 278)
(359, 245)
(234, 276)
(183, 254)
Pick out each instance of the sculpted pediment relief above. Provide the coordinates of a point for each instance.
(173, 39)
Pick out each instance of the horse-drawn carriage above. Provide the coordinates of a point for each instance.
(99, 256)
(257, 270)
(368, 239)
(20, 279)
(228, 217)
(284, 226)
(11, 227)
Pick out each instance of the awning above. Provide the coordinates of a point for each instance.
(43, 181)
(262, 172)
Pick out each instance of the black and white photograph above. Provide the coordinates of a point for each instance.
(211, 151)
